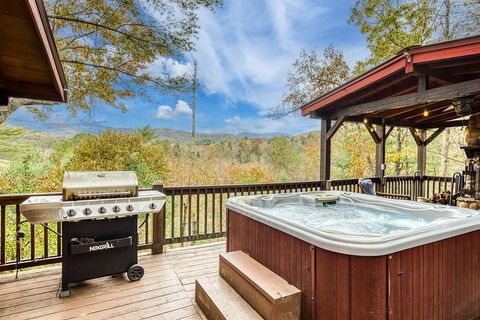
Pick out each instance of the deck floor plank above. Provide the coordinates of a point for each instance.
(165, 292)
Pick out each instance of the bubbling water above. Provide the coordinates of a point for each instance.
(348, 218)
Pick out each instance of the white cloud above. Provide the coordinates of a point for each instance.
(234, 121)
(166, 112)
(163, 67)
(289, 125)
(246, 48)
(182, 108)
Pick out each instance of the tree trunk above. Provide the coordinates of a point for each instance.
(444, 159)
(398, 149)
(446, 29)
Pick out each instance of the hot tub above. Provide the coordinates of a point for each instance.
(356, 256)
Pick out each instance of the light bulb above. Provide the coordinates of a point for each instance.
(426, 113)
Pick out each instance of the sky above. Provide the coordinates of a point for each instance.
(245, 50)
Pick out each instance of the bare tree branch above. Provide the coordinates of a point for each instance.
(99, 25)
(124, 72)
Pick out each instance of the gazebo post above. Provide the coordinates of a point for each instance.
(379, 135)
(420, 137)
(422, 152)
(423, 85)
(325, 149)
(380, 151)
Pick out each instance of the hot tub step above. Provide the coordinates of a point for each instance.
(269, 294)
(219, 301)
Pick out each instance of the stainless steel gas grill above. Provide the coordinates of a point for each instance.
(98, 211)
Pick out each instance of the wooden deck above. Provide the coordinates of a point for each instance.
(165, 292)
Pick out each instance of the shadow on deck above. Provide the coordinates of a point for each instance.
(165, 292)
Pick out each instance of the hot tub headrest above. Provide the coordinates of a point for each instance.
(367, 186)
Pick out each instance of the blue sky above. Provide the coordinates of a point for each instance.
(245, 50)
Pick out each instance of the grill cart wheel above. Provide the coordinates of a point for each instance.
(135, 272)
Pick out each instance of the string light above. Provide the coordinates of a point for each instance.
(365, 120)
(426, 113)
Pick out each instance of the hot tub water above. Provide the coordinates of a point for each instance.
(344, 217)
(351, 215)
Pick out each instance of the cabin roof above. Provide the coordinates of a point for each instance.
(29, 62)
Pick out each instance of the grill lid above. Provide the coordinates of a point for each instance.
(99, 185)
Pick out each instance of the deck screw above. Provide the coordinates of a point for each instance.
(399, 274)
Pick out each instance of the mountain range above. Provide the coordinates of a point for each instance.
(175, 135)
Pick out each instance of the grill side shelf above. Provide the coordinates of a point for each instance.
(101, 245)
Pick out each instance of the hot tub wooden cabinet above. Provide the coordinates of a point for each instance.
(437, 280)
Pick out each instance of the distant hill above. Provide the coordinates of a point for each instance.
(62, 130)
(186, 136)
(26, 140)
(261, 135)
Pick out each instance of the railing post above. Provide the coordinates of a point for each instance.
(158, 225)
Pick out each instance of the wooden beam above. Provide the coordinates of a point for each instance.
(390, 130)
(372, 132)
(3, 102)
(411, 124)
(433, 136)
(417, 112)
(335, 127)
(450, 92)
(423, 83)
(377, 90)
(377, 121)
(315, 115)
(437, 74)
(444, 116)
(325, 150)
(447, 124)
(416, 136)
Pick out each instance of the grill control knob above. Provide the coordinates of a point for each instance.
(130, 208)
(71, 213)
(152, 206)
(116, 209)
(87, 211)
(102, 210)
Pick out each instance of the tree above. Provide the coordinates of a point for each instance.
(248, 173)
(312, 75)
(147, 133)
(393, 25)
(106, 47)
(10, 139)
(244, 153)
(130, 152)
(284, 156)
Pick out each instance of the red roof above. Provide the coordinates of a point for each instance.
(394, 74)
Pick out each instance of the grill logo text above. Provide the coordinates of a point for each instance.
(105, 246)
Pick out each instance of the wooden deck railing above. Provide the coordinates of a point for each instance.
(412, 186)
(191, 213)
